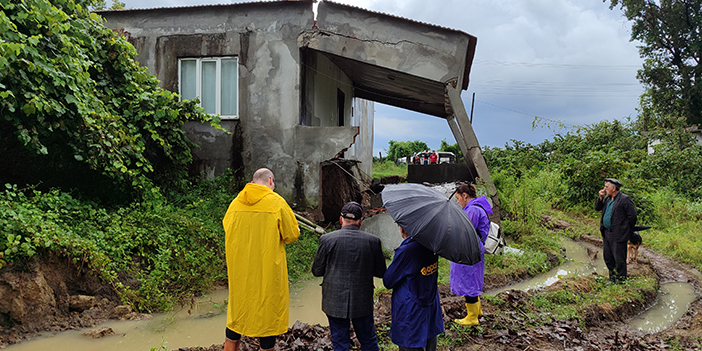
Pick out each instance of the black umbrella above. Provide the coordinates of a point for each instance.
(434, 221)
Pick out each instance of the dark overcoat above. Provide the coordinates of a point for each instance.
(623, 216)
(348, 259)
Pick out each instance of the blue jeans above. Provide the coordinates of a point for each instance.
(364, 328)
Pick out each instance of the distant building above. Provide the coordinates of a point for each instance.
(695, 130)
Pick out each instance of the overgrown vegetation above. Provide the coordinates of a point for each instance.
(77, 106)
(566, 173)
(153, 253)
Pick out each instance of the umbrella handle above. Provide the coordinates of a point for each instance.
(453, 193)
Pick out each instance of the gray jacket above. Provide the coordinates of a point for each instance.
(348, 259)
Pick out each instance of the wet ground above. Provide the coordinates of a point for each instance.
(508, 327)
(502, 328)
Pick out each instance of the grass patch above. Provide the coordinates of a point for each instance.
(300, 255)
(585, 297)
(389, 168)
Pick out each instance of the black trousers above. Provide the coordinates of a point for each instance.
(614, 254)
(431, 346)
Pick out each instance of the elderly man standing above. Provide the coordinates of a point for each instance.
(257, 225)
(348, 259)
(616, 225)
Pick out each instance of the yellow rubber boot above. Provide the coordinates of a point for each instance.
(471, 314)
(480, 308)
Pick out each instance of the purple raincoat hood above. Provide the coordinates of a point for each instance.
(482, 201)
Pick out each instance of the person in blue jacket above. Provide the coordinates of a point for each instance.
(416, 308)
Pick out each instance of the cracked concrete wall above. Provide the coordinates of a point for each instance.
(396, 43)
(322, 78)
(318, 144)
(362, 149)
(264, 38)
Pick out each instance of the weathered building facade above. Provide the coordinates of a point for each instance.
(294, 92)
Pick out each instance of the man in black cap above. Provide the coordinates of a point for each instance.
(616, 225)
(348, 259)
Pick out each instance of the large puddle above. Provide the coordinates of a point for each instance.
(205, 323)
(673, 301)
(577, 264)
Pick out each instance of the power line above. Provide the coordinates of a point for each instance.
(556, 65)
(506, 108)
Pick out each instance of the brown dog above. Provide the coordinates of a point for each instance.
(632, 248)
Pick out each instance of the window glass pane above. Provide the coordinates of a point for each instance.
(209, 86)
(229, 86)
(188, 79)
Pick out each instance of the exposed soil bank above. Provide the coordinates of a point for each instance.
(54, 294)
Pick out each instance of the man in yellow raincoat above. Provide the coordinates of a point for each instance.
(257, 226)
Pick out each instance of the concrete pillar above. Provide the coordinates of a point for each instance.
(465, 136)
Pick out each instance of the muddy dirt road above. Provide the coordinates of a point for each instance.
(508, 327)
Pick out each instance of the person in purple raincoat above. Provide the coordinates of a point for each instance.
(468, 280)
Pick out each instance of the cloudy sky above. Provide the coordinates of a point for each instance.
(569, 62)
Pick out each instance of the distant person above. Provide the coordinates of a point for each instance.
(348, 259)
(617, 226)
(433, 157)
(468, 280)
(416, 308)
(257, 225)
(415, 159)
(426, 157)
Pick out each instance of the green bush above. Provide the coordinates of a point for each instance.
(673, 167)
(74, 97)
(153, 253)
(584, 177)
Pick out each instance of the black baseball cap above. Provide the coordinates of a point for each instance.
(352, 210)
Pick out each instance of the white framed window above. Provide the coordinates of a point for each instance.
(215, 80)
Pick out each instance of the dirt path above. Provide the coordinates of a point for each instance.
(507, 327)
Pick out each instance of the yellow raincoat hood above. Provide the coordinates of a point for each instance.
(257, 225)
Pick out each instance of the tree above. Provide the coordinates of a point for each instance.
(669, 31)
(397, 149)
(102, 5)
(73, 97)
(452, 148)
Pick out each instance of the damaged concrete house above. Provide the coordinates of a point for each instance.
(296, 94)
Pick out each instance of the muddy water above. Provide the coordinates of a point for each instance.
(673, 301)
(577, 264)
(204, 326)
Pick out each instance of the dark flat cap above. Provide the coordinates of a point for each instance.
(352, 210)
(614, 181)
